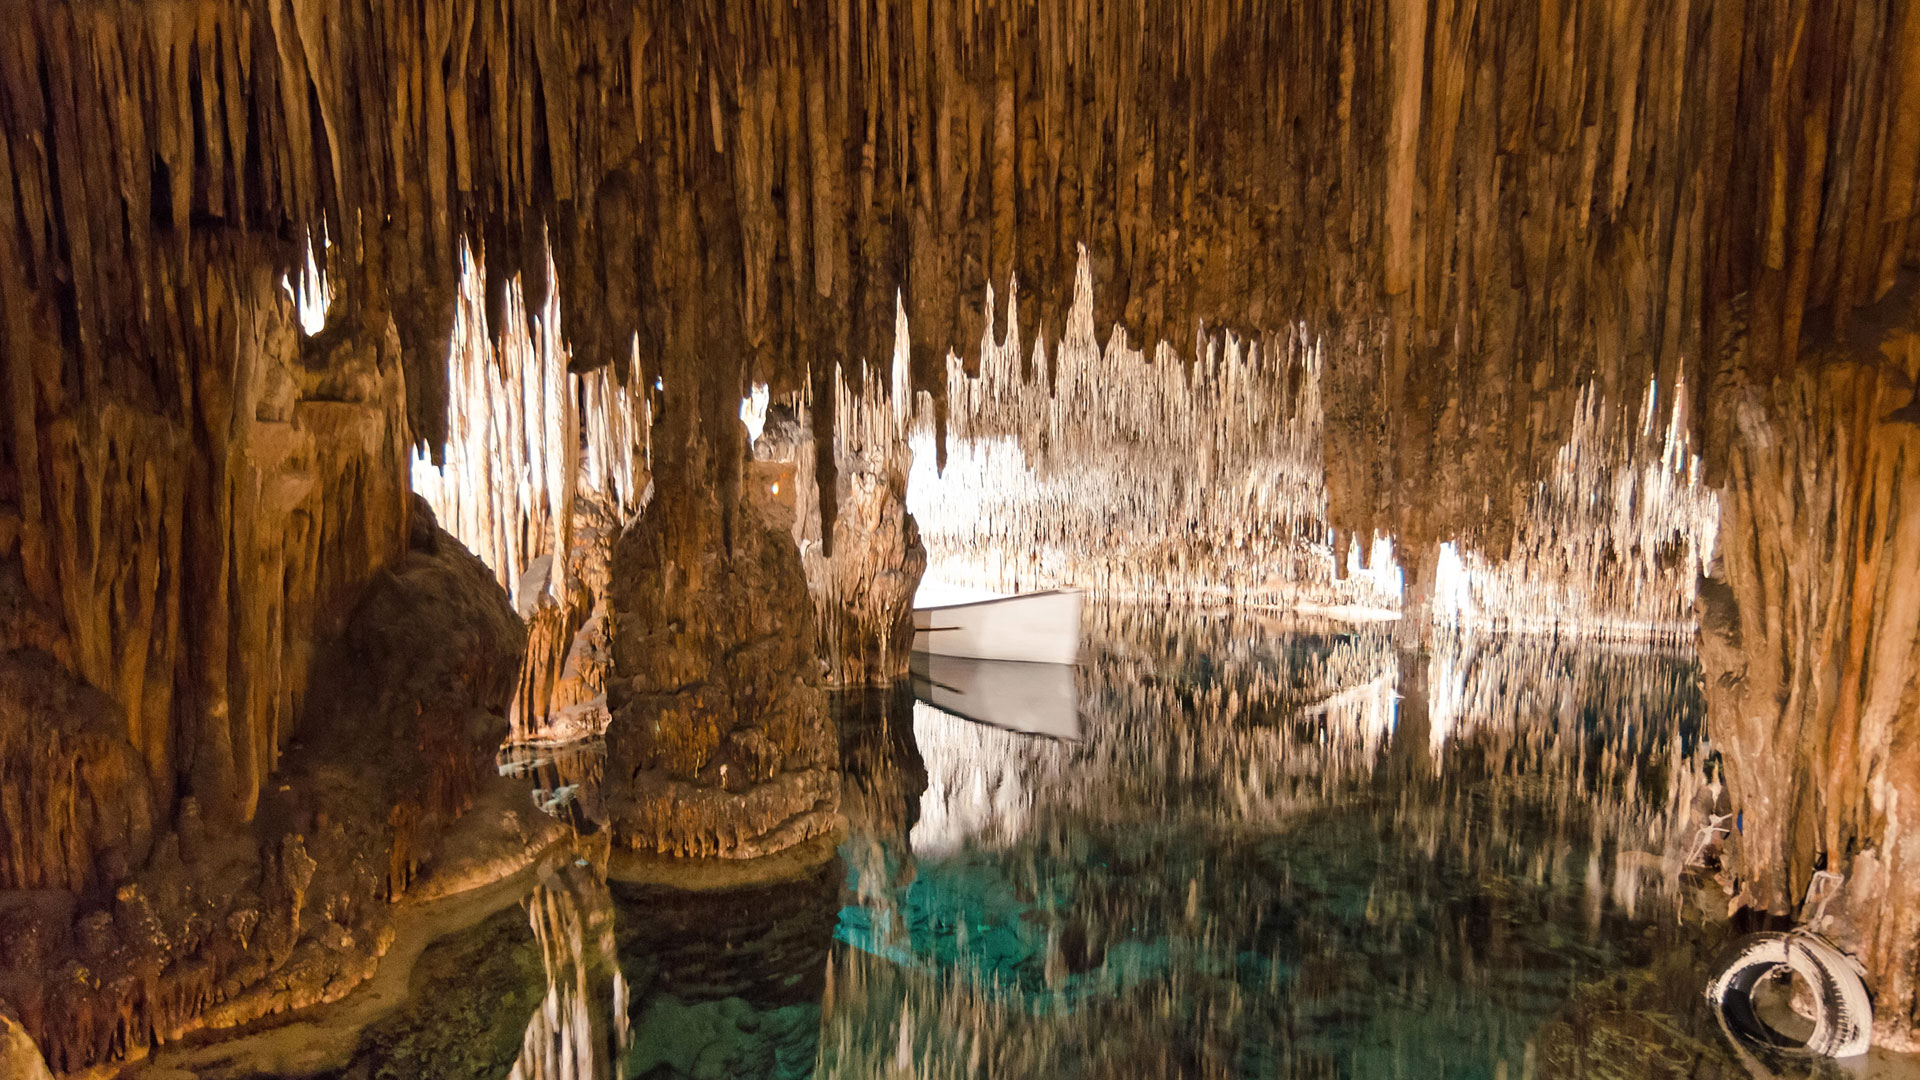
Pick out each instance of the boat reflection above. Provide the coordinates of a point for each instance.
(1033, 698)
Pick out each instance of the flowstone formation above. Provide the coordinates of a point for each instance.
(1477, 215)
(1810, 637)
(720, 743)
(149, 928)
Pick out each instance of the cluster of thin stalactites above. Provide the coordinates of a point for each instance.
(1129, 473)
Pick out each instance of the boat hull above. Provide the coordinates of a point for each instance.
(1042, 627)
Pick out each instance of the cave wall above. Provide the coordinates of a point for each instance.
(183, 539)
(1810, 642)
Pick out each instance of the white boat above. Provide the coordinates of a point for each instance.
(1037, 699)
(1041, 627)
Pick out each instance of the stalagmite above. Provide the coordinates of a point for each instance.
(863, 583)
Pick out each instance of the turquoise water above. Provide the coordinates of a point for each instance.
(1252, 848)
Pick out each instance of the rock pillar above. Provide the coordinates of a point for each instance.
(720, 743)
(1810, 641)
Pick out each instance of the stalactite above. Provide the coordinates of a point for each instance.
(864, 563)
(1208, 481)
(1498, 184)
(1467, 217)
(1612, 544)
(1134, 475)
(541, 470)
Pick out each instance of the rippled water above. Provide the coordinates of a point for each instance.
(1255, 849)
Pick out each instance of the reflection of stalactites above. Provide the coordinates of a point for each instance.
(579, 1032)
(1278, 724)
(1532, 702)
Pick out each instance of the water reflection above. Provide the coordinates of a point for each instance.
(1275, 849)
(580, 1031)
(728, 982)
(563, 780)
(1271, 849)
(1033, 698)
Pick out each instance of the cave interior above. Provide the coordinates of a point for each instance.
(401, 395)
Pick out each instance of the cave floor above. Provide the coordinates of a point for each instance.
(1243, 850)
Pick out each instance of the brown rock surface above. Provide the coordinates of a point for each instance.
(111, 948)
(74, 800)
(1811, 648)
(720, 743)
(1481, 209)
(562, 693)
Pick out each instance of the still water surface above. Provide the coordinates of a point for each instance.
(1246, 848)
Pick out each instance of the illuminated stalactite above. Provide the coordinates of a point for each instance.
(1484, 209)
(540, 471)
(1140, 479)
(1133, 476)
(1613, 543)
(1478, 212)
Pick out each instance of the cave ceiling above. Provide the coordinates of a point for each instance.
(1483, 207)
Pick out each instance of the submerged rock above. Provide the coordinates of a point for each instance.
(467, 1006)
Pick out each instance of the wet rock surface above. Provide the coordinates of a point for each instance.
(1484, 210)
(225, 922)
(468, 1001)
